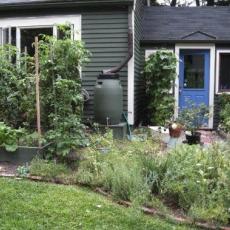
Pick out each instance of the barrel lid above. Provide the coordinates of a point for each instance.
(111, 76)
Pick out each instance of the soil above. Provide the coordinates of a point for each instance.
(8, 169)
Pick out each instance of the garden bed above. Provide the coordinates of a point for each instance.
(22, 155)
(191, 177)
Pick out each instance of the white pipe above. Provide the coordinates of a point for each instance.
(148, 2)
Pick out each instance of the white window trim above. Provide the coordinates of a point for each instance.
(212, 49)
(41, 22)
(218, 52)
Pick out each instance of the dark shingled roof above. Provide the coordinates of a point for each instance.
(173, 24)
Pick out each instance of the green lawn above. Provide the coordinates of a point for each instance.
(29, 205)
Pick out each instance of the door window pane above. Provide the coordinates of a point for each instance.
(28, 37)
(194, 71)
(224, 75)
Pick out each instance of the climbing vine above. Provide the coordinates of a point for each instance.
(160, 73)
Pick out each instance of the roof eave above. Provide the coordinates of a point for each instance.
(149, 42)
(65, 4)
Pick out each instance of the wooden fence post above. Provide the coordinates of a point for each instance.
(37, 90)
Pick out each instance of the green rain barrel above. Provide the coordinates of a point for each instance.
(108, 99)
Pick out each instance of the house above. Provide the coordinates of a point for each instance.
(102, 24)
(200, 37)
(126, 32)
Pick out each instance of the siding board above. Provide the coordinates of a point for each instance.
(139, 92)
(105, 36)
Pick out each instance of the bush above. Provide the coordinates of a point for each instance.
(160, 74)
(224, 103)
(120, 171)
(60, 91)
(47, 169)
(197, 179)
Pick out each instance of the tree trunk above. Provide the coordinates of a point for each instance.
(173, 3)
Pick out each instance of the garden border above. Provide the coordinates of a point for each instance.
(145, 210)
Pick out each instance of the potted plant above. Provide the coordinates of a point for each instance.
(17, 146)
(175, 129)
(194, 117)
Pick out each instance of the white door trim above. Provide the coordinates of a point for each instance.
(131, 79)
(212, 48)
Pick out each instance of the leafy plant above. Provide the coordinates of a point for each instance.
(47, 169)
(61, 97)
(194, 116)
(196, 179)
(160, 73)
(9, 137)
(17, 94)
(224, 112)
(23, 171)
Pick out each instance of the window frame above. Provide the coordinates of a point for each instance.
(218, 53)
(41, 22)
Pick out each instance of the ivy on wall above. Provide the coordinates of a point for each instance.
(160, 74)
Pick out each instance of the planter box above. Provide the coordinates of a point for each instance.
(22, 155)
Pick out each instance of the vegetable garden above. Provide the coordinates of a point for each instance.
(190, 180)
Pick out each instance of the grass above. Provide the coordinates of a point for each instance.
(30, 205)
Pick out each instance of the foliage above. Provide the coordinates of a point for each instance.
(160, 73)
(17, 95)
(47, 169)
(196, 180)
(22, 171)
(60, 90)
(192, 178)
(61, 98)
(225, 112)
(9, 137)
(194, 116)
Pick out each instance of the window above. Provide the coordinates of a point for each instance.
(22, 31)
(194, 71)
(223, 71)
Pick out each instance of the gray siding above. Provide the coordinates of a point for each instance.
(139, 91)
(105, 36)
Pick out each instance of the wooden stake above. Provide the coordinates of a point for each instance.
(37, 91)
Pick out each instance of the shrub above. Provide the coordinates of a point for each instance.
(160, 73)
(47, 169)
(17, 94)
(61, 92)
(125, 182)
(225, 118)
(224, 103)
(198, 179)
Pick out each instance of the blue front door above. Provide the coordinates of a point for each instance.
(194, 77)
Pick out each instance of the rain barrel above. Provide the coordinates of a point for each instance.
(108, 99)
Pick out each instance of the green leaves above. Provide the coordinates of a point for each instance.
(9, 137)
(160, 73)
(62, 100)
(194, 116)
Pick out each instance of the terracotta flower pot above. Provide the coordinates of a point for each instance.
(175, 130)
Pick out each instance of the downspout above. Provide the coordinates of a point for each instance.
(130, 47)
